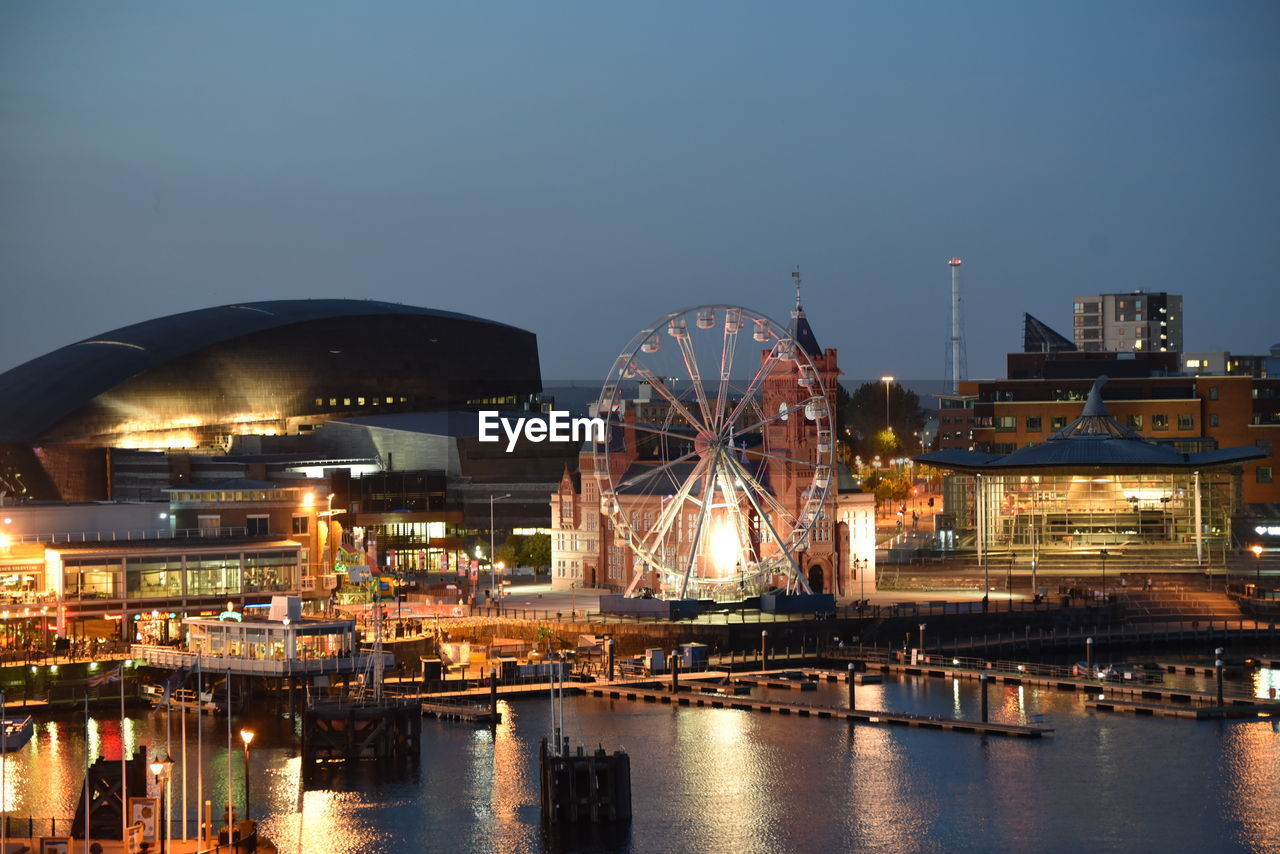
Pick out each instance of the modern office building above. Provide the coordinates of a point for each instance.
(1131, 321)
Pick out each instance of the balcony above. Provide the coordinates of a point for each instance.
(171, 658)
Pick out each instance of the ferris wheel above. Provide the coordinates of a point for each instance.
(717, 454)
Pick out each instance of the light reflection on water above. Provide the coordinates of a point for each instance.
(724, 780)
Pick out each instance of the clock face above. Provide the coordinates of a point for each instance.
(782, 410)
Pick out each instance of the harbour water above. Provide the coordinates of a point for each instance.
(725, 780)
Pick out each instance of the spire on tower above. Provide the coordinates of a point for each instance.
(800, 330)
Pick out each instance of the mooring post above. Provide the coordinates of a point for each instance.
(493, 691)
(852, 688)
(983, 680)
(1088, 655)
(609, 646)
(675, 673)
(764, 655)
(1217, 672)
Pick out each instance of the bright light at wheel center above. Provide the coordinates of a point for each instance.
(726, 552)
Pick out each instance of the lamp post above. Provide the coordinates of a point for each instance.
(1008, 581)
(246, 735)
(886, 381)
(161, 768)
(922, 647)
(493, 577)
(1257, 568)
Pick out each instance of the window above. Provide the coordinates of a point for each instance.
(213, 575)
(1058, 422)
(209, 525)
(300, 524)
(1213, 419)
(1213, 392)
(1193, 363)
(1186, 421)
(1159, 422)
(1006, 424)
(258, 526)
(1133, 422)
(1264, 445)
(1263, 474)
(153, 576)
(1033, 424)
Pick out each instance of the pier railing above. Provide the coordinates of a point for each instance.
(173, 659)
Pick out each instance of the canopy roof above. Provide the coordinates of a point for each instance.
(1093, 440)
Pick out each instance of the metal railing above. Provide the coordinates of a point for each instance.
(168, 657)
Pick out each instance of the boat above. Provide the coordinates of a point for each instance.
(17, 732)
(183, 699)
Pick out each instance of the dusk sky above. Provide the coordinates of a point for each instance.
(580, 168)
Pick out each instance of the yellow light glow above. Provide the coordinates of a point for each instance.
(308, 499)
(725, 550)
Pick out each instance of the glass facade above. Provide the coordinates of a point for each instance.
(1069, 511)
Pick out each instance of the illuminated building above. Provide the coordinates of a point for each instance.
(1133, 321)
(1094, 484)
(192, 382)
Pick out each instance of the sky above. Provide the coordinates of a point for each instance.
(579, 169)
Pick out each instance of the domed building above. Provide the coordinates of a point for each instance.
(194, 381)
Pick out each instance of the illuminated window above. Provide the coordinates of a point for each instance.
(346, 401)
(1058, 422)
(333, 401)
(1193, 363)
(1006, 424)
(1133, 422)
(1159, 422)
(359, 401)
(319, 401)
(391, 400)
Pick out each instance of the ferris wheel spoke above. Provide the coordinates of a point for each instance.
(695, 376)
(673, 508)
(764, 518)
(781, 414)
(727, 350)
(649, 474)
(776, 457)
(756, 381)
(708, 481)
(656, 383)
(750, 483)
(740, 522)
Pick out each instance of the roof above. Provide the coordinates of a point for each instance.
(54, 385)
(1037, 337)
(1095, 439)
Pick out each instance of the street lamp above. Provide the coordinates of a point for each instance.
(246, 735)
(493, 577)
(161, 768)
(1257, 566)
(922, 647)
(886, 381)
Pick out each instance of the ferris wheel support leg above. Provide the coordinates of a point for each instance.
(791, 561)
(708, 484)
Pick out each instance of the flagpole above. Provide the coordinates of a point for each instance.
(200, 828)
(229, 807)
(87, 805)
(124, 768)
(184, 768)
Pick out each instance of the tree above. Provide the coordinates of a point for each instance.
(535, 550)
(863, 425)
